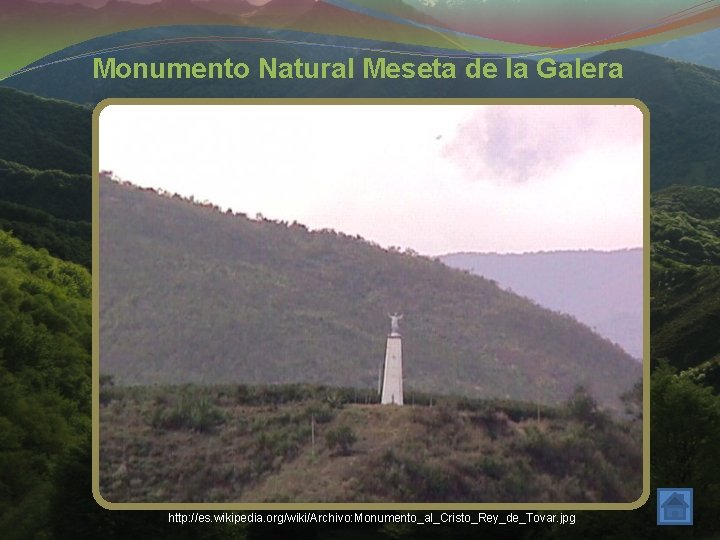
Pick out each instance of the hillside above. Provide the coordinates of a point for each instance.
(601, 289)
(191, 294)
(685, 279)
(44, 133)
(315, 444)
(45, 197)
(45, 311)
(45, 333)
(684, 103)
(48, 209)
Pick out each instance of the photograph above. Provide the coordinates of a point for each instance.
(377, 302)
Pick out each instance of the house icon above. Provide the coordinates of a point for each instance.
(675, 508)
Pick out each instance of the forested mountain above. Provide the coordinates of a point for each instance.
(44, 133)
(45, 319)
(685, 280)
(191, 294)
(45, 164)
(601, 289)
(55, 192)
(45, 329)
(45, 311)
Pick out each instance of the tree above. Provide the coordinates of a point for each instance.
(685, 419)
(632, 401)
(583, 407)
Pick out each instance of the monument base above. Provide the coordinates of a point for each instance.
(392, 389)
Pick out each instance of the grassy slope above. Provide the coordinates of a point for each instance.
(259, 449)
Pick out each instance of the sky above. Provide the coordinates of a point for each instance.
(434, 178)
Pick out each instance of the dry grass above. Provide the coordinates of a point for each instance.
(265, 453)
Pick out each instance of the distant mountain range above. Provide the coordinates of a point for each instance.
(701, 49)
(601, 289)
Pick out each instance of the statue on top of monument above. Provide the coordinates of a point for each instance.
(395, 323)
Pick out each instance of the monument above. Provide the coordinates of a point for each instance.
(392, 387)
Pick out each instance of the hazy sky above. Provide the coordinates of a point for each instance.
(436, 178)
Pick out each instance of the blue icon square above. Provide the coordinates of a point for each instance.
(675, 506)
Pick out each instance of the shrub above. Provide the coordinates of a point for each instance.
(335, 399)
(197, 414)
(341, 440)
(582, 407)
(321, 412)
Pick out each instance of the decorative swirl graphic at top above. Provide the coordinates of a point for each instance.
(469, 27)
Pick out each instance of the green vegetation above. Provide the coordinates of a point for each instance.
(68, 240)
(45, 134)
(287, 443)
(47, 209)
(685, 279)
(685, 384)
(65, 196)
(196, 414)
(341, 440)
(44, 376)
(45, 338)
(684, 101)
(690, 457)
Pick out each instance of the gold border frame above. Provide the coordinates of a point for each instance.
(363, 507)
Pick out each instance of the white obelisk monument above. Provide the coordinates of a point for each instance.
(392, 388)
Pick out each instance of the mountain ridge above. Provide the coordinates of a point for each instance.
(45, 133)
(273, 302)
